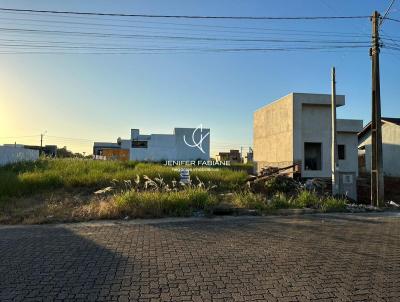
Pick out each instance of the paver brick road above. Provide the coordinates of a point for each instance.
(308, 258)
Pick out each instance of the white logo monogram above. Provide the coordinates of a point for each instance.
(198, 144)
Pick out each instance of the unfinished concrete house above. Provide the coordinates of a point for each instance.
(297, 129)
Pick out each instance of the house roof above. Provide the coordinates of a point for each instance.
(393, 120)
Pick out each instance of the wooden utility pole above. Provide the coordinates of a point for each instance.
(334, 148)
(41, 144)
(377, 180)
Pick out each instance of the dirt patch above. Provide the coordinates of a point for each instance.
(58, 206)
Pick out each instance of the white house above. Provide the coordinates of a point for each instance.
(183, 144)
(390, 147)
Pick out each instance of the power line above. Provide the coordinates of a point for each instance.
(245, 30)
(180, 16)
(7, 137)
(391, 19)
(386, 13)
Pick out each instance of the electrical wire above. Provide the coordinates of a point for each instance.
(180, 16)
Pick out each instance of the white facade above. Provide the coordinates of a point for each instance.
(161, 147)
(14, 154)
(390, 146)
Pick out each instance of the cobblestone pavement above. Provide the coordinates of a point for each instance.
(305, 258)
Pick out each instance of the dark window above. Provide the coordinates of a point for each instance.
(139, 144)
(312, 156)
(341, 152)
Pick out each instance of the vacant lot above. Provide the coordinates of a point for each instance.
(67, 190)
(337, 257)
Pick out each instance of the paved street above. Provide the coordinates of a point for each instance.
(308, 258)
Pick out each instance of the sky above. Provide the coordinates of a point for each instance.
(80, 98)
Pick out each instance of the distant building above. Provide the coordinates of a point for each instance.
(48, 150)
(13, 153)
(390, 147)
(249, 156)
(297, 128)
(183, 144)
(232, 156)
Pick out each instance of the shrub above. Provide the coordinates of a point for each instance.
(280, 201)
(249, 200)
(307, 199)
(331, 204)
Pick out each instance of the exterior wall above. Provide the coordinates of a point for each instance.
(350, 163)
(318, 101)
(99, 146)
(159, 147)
(16, 154)
(116, 154)
(316, 128)
(313, 123)
(390, 149)
(273, 134)
(185, 152)
(170, 146)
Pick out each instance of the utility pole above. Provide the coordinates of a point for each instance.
(41, 144)
(334, 148)
(377, 180)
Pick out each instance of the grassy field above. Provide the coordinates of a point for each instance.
(66, 190)
(48, 174)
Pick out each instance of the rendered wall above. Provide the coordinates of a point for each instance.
(390, 150)
(273, 134)
(315, 121)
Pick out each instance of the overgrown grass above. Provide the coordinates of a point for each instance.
(161, 204)
(249, 200)
(304, 199)
(47, 174)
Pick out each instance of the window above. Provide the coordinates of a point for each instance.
(139, 144)
(341, 152)
(312, 156)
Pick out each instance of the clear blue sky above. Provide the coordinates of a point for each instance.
(100, 97)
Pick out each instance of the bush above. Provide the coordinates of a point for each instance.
(307, 199)
(249, 200)
(281, 201)
(331, 204)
